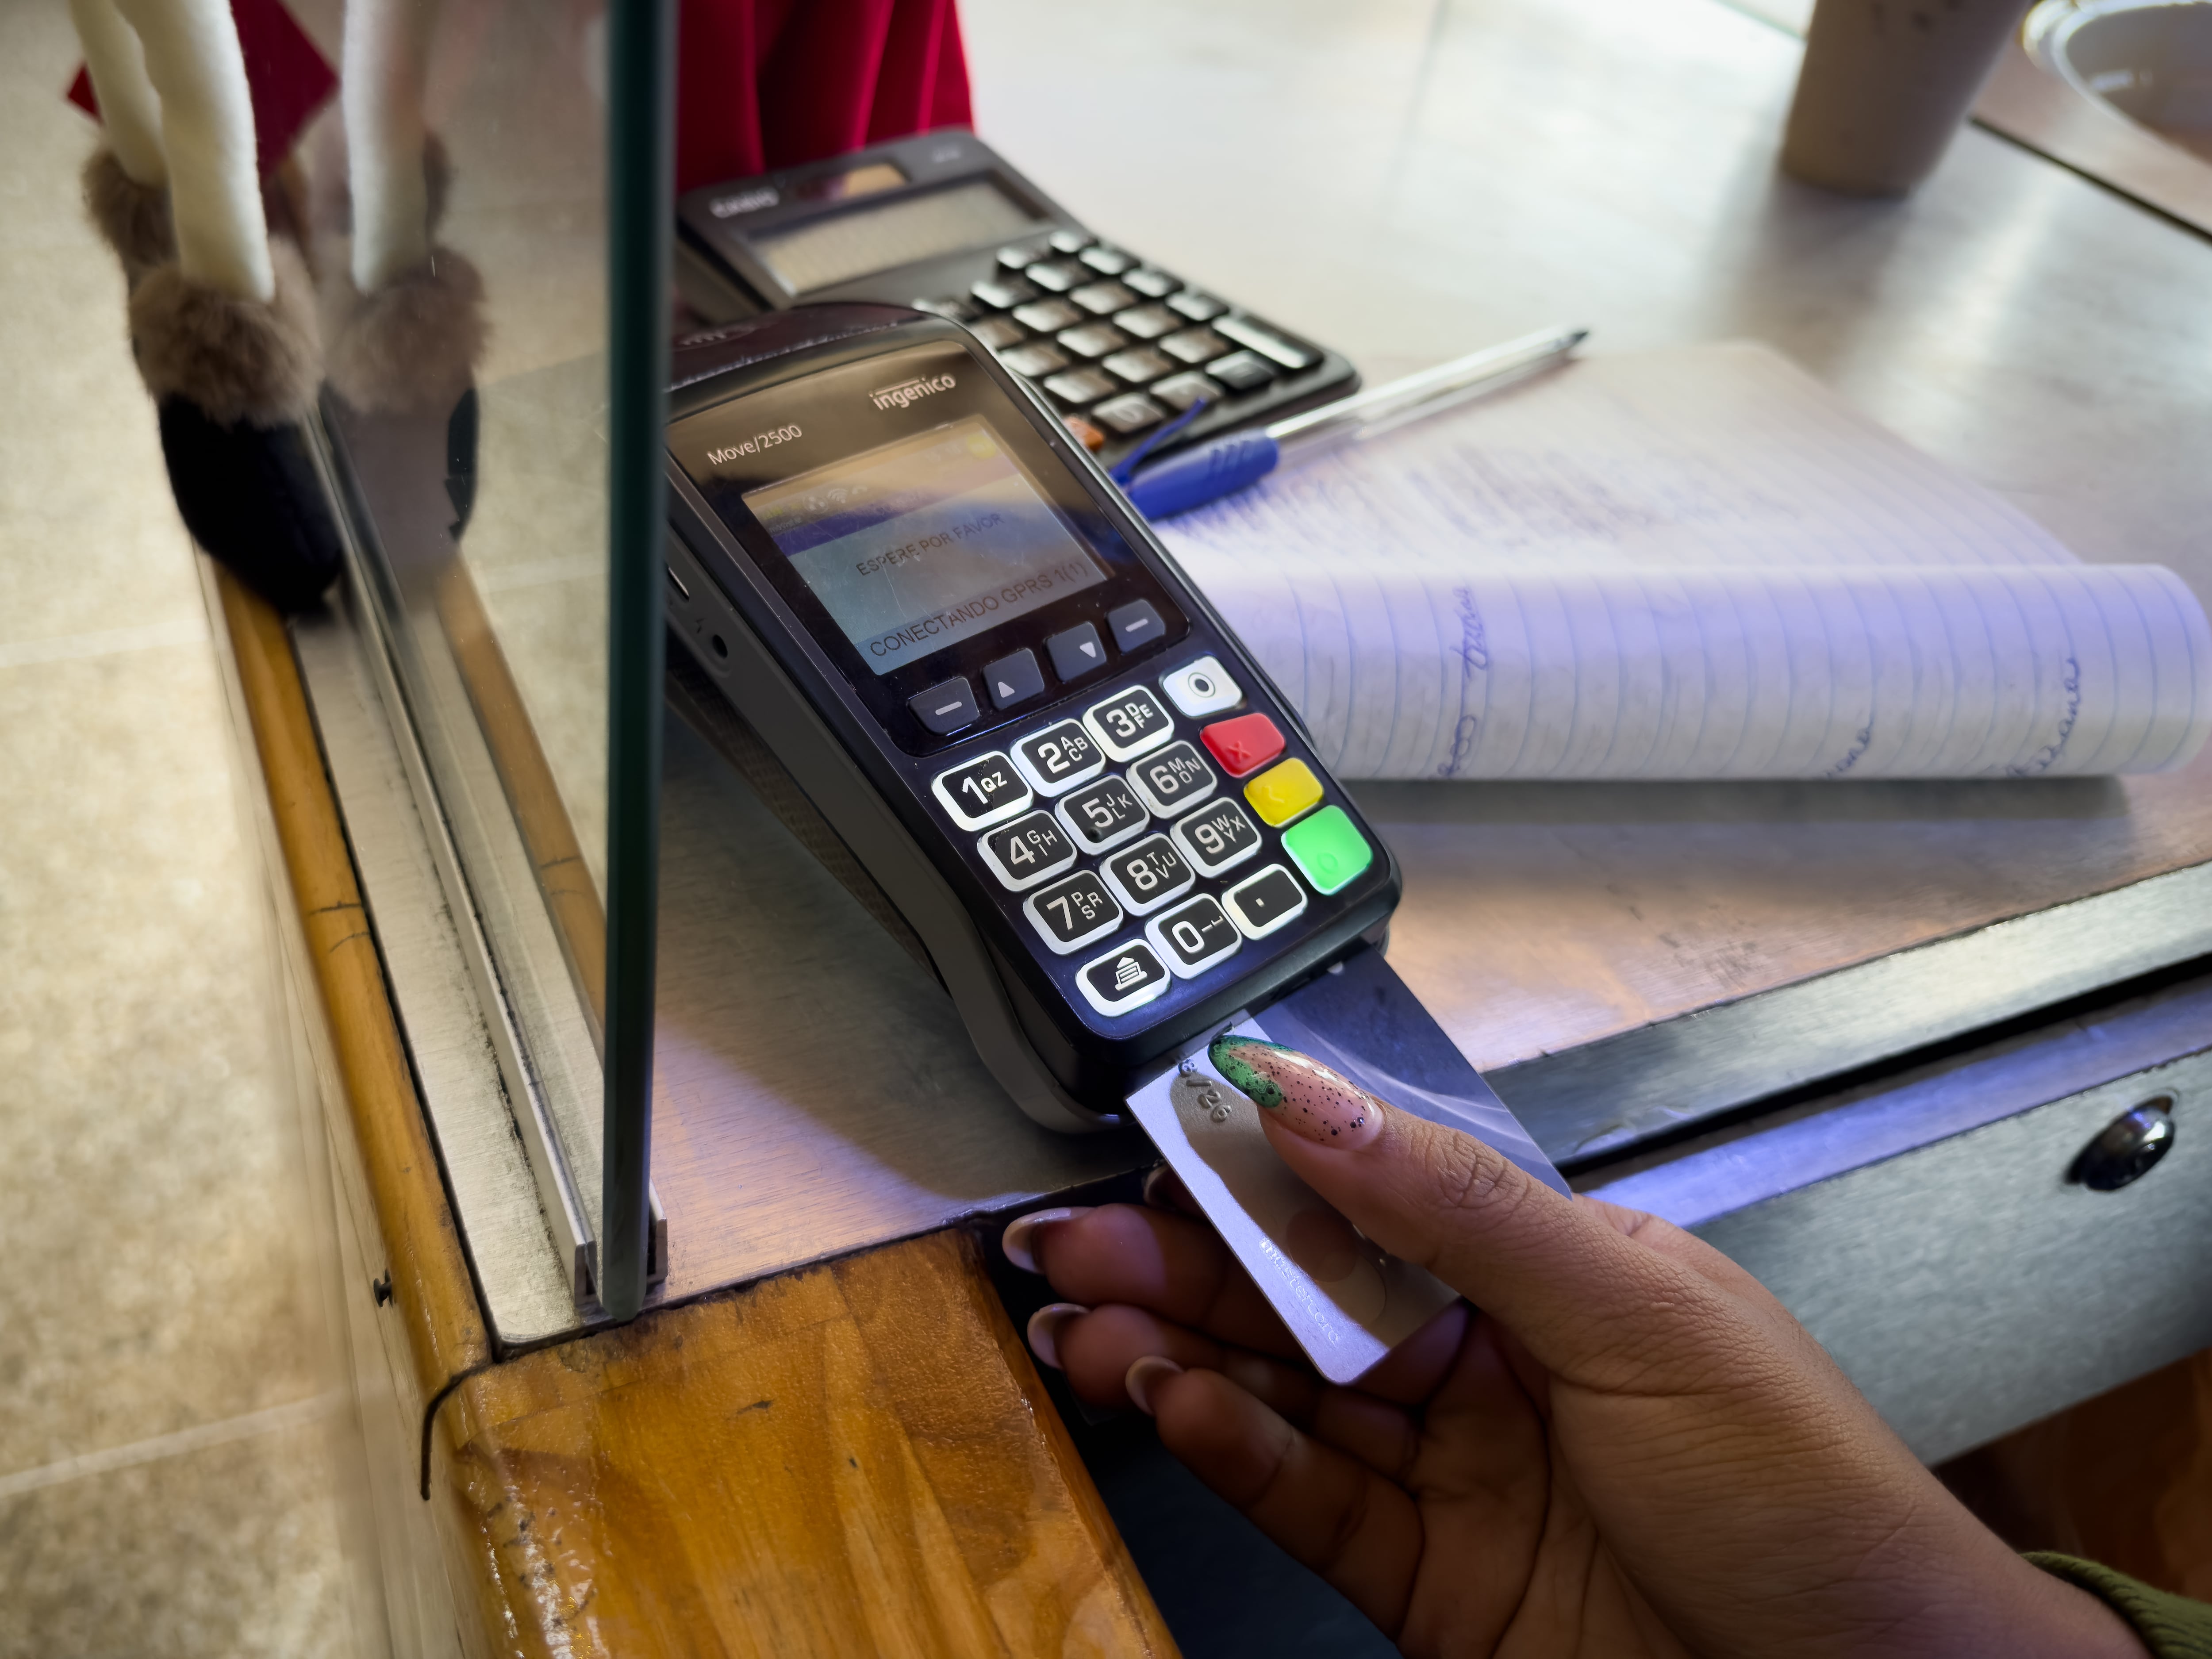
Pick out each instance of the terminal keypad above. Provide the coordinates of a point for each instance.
(1130, 842)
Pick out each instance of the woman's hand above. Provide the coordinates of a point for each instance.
(1631, 1449)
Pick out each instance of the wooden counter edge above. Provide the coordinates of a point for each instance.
(858, 1458)
(430, 1283)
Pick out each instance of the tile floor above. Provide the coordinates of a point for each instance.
(177, 1460)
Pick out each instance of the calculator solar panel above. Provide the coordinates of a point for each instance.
(1120, 345)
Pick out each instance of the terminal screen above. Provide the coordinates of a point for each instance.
(923, 543)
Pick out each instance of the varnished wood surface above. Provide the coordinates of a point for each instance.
(857, 1459)
(2124, 1479)
(429, 1276)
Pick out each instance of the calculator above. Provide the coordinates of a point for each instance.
(1120, 346)
(1110, 831)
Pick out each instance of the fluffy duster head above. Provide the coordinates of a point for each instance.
(413, 346)
(132, 218)
(234, 359)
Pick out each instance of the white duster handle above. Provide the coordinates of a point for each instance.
(388, 50)
(193, 59)
(128, 108)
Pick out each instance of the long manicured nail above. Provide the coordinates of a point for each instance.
(1019, 1240)
(1044, 1329)
(1147, 1373)
(1305, 1095)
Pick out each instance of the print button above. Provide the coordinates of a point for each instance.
(1262, 903)
(1194, 937)
(984, 792)
(1243, 745)
(1148, 875)
(1283, 793)
(1124, 979)
(1328, 850)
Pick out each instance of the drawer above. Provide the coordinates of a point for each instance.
(1927, 1233)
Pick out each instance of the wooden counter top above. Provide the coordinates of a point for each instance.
(859, 1457)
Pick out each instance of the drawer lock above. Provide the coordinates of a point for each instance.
(2127, 1148)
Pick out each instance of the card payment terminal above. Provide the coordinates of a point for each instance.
(1107, 827)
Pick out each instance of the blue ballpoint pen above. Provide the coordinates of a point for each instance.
(1209, 470)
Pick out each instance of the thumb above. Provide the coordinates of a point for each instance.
(1579, 1294)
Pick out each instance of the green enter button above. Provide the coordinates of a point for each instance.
(1329, 849)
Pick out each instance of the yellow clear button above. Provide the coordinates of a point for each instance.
(1282, 792)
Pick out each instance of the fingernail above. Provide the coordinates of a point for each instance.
(1044, 1329)
(1146, 1375)
(1160, 1189)
(1019, 1240)
(1305, 1095)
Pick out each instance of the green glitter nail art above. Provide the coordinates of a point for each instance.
(1225, 1052)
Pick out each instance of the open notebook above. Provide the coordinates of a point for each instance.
(1690, 563)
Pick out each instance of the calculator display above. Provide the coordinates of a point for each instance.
(819, 253)
(914, 545)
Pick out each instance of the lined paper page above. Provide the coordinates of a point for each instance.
(1695, 563)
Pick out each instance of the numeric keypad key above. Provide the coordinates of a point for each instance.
(1174, 780)
(1060, 757)
(1027, 851)
(1129, 723)
(1101, 816)
(982, 791)
(1073, 911)
(1148, 875)
(1218, 837)
(1194, 937)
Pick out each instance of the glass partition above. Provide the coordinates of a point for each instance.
(488, 207)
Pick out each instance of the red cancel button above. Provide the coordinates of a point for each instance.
(1243, 745)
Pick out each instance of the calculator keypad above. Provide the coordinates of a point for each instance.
(1054, 305)
(1059, 276)
(1121, 830)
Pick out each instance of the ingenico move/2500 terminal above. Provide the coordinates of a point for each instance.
(1106, 826)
